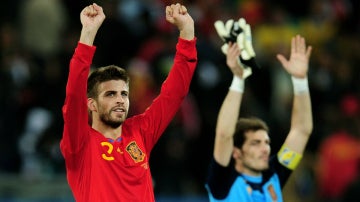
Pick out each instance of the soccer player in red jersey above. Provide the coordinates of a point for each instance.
(106, 153)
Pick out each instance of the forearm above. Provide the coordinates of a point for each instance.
(301, 124)
(228, 115)
(179, 78)
(302, 113)
(87, 36)
(188, 33)
(301, 120)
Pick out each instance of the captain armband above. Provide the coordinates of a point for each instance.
(288, 158)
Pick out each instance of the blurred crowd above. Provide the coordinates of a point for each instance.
(38, 37)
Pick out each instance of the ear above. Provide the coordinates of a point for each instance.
(91, 103)
(237, 154)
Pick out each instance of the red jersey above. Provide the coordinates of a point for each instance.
(100, 169)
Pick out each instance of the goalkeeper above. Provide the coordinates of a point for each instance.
(242, 168)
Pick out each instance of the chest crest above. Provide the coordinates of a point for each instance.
(135, 152)
(272, 192)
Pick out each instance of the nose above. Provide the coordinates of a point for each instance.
(265, 148)
(120, 99)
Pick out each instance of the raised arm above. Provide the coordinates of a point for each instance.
(177, 84)
(229, 111)
(301, 119)
(75, 110)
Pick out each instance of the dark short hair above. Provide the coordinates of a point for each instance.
(247, 124)
(103, 74)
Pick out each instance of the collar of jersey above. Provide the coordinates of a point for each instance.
(112, 140)
(253, 179)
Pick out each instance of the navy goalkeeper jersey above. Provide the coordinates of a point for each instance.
(225, 184)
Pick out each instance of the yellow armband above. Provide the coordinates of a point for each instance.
(288, 158)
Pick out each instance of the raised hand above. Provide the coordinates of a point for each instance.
(298, 64)
(177, 15)
(232, 60)
(91, 18)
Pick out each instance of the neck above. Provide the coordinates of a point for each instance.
(108, 131)
(251, 172)
(241, 168)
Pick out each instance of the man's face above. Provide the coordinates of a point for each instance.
(113, 102)
(255, 152)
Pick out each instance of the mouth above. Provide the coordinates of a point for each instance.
(265, 158)
(119, 110)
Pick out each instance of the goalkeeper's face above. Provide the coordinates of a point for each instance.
(112, 104)
(255, 152)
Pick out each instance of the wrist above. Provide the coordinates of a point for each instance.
(187, 33)
(87, 37)
(300, 85)
(237, 84)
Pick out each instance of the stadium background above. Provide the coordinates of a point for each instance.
(37, 39)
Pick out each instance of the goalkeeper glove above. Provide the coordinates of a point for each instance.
(244, 41)
(229, 32)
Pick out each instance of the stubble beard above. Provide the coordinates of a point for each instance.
(113, 123)
(257, 170)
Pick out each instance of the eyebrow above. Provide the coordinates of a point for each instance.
(255, 141)
(124, 91)
(110, 91)
(114, 91)
(258, 140)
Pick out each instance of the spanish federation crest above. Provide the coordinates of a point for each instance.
(135, 152)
